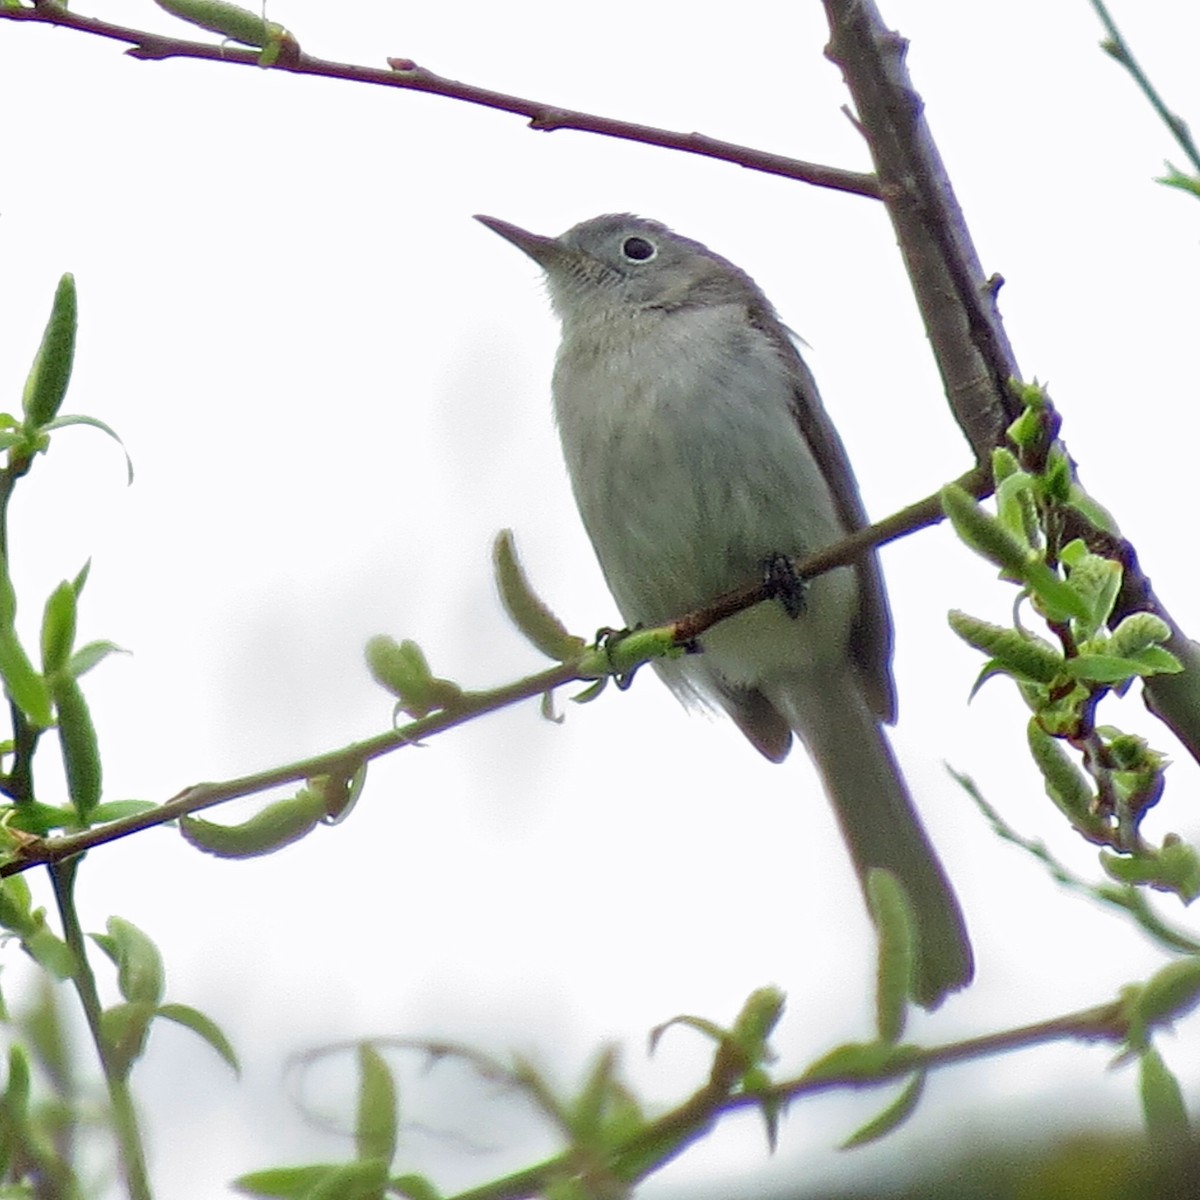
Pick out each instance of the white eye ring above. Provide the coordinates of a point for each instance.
(638, 249)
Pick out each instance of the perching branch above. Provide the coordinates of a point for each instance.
(34, 851)
(406, 74)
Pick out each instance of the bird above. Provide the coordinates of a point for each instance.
(699, 453)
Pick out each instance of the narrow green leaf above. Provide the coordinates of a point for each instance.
(983, 533)
(203, 1026)
(80, 749)
(58, 628)
(1014, 650)
(528, 612)
(86, 657)
(860, 1061)
(1066, 785)
(1102, 668)
(1056, 597)
(26, 688)
(1162, 1099)
(16, 1089)
(238, 24)
(284, 1183)
(377, 1115)
(93, 423)
(590, 1106)
(46, 385)
(1155, 660)
(892, 1117)
(115, 810)
(276, 826)
(139, 964)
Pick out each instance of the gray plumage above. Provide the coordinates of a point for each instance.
(697, 447)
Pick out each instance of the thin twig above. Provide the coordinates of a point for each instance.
(645, 1150)
(1118, 48)
(406, 74)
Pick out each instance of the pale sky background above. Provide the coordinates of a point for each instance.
(334, 386)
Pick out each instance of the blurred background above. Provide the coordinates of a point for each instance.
(335, 389)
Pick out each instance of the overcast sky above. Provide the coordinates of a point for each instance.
(334, 386)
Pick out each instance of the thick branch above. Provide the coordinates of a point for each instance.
(958, 304)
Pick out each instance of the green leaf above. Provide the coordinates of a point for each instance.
(531, 615)
(26, 688)
(139, 964)
(1012, 650)
(984, 533)
(1103, 668)
(363, 1180)
(116, 810)
(50, 952)
(1175, 178)
(278, 825)
(892, 1117)
(285, 1183)
(203, 1026)
(86, 657)
(46, 385)
(80, 749)
(58, 628)
(896, 927)
(402, 669)
(16, 905)
(1137, 632)
(1066, 785)
(1097, 582)
(238, 24)
(93, 423)
(415, 1187)
(377, 1114)
(589, 1109)
(1169, 993)
(860, 1061)
(1162, 1100)
(123, 1032)
(15, 1102)
(41, 819)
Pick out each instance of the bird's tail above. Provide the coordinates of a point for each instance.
(880, 823)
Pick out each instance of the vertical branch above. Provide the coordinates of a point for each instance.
(124, 1115)
(958, 304)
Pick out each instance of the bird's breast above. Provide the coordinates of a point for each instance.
(687, 463)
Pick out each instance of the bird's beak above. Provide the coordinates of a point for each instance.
(547, 252)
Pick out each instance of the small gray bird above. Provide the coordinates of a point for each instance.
(698, 449)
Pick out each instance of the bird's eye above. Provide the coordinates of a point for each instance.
(637, 249)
